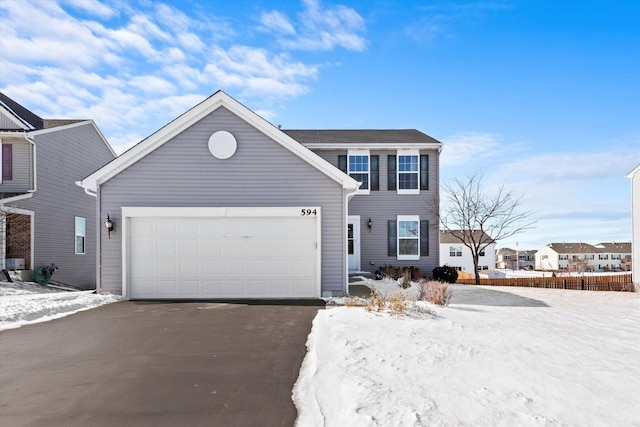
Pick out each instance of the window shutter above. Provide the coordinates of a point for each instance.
(391, 179)
(375, 173)
(7, 169)
(392, 237)
(342, 163)
(424, 238)
(424, 172)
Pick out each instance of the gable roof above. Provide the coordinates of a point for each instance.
(195, 114)
(614, 248)
(448, 237)
(572, 248)
(633, 172)
(20, 115)
(363, 138)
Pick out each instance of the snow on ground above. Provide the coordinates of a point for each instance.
(24, 303)
(494, 357)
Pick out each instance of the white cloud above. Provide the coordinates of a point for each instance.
(277, 22)
(463, 148)
(153, 85)
(94, 7)
(318, 28)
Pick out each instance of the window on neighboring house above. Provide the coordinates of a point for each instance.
(362, 167)
(544, 257)
(481, 253)
(7, 161)
(507, 257)
(563, 257)
(483, 267)
(408, 172)
(456, 267)
(455, 250)
(605, 256)
(408, 237)
(80, 235)
(616, 256)
(522, 257)
(589, 256)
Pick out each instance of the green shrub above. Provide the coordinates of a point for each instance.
(445, 274)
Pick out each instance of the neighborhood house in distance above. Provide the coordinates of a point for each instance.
(220, 203)
(45, 218)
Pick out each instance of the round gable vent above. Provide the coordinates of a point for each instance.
(222, 145)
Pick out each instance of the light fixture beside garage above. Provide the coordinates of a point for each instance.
(108, 224)
(222, 145)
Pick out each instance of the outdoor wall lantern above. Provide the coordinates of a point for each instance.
(108, 224)
(369, 224)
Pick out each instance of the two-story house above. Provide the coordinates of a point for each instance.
(583, 257)
(45, 217)
(220, 203)
(634, 176)
(455, 254)
(507, 258)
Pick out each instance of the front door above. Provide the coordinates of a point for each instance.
(353, 242)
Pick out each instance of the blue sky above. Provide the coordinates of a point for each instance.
(542, 96)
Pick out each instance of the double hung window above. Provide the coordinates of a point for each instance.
(408, 173)
(408, 237)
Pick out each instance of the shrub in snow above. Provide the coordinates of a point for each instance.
(375, 302)
(435, 292)
(398, 304)
(445, 274)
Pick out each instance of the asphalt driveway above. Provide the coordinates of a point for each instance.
(156, 364)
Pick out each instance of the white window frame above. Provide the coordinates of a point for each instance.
(408, 218)
(363, 153)
(80, 233)
(415, 153)
(455, 251)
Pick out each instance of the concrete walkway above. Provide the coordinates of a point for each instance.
(156, 364)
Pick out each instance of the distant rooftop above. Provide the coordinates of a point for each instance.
(360, 136)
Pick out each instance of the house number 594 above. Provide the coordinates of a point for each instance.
(307, 212)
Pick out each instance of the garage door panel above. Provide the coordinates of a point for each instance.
(223, 257)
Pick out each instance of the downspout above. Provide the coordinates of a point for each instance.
(35, 165)
(348, 196)
(92, 193)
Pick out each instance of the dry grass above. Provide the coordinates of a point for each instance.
(435, 292)
(398, 304)
(375, 302)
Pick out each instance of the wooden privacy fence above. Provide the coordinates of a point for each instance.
(618, 282)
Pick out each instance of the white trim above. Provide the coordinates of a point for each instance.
(14, 117)
(355, 220)
(367, 153)
(16, 198)
(374, 146)
(633, 172)
(83, 234)
(407, 218)
(1, 165)
(413, 191)
(197, 113)
(129, 212)
(74, 125)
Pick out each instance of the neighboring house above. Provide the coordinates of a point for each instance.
(613, 256)
(455, 254)
(634, 176)
(46, 217)
(583, 257)
(220, 203)
(515, 259)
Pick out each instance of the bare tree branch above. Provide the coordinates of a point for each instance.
(478, 219)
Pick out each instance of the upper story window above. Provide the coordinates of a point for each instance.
(455, 250)
(507, 257)
(6, 161)
(603, 256)
(408, 173)
(80, 235)
(563, 257)
(362, 167)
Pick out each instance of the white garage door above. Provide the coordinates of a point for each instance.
(222, 253)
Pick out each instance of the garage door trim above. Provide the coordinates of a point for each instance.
(216, 212)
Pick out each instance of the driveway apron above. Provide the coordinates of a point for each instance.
(156, 364)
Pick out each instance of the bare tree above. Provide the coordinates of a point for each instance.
(478, 219)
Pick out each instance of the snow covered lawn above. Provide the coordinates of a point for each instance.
(23, 304)
(493, 357)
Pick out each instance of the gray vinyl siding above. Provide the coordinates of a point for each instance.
(635, 216)
(63, 157)
(22, 166)
(183, 173)
(7, 123)
(384, 205)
